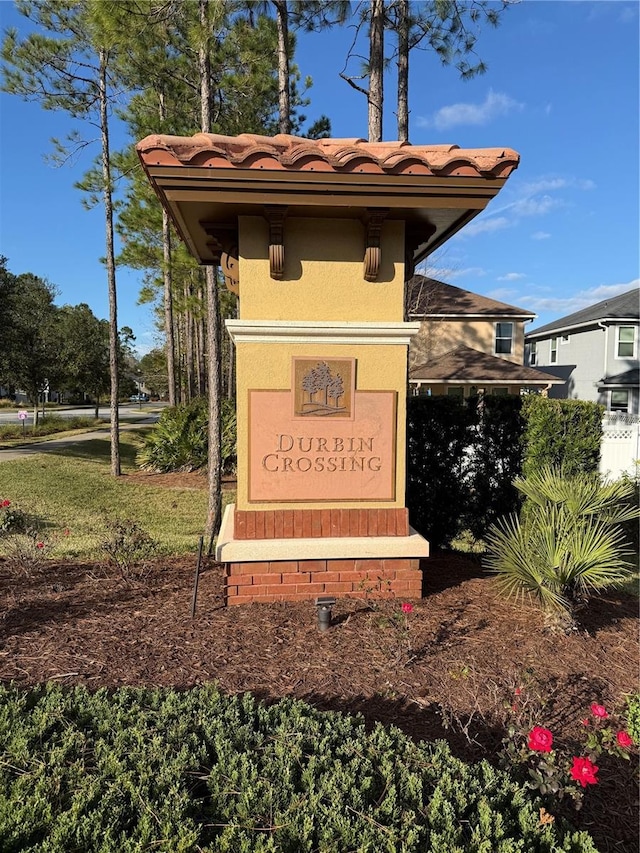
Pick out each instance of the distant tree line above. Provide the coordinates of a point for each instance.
(46, 348)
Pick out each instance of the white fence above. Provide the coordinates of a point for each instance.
(620, 448)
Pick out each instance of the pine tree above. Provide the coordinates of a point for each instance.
(66, 65)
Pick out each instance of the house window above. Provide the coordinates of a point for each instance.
(554, 351)
(533, 353)
(619, 401)
(504, 338)
(499, 391)
(626, 341)
(455, 391)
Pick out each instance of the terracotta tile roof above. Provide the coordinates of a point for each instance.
(467, 365)
(430, 297)
(295, 153)
(626, 306)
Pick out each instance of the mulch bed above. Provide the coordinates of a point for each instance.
(469, 651)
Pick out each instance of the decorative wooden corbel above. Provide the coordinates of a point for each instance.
(231, 270)
(372, 253)
(275, 215)
(223, 244)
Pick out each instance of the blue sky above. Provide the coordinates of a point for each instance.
(561, 89)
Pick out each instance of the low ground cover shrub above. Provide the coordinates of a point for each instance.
(128, 546)
(633, 717)
(141, 769)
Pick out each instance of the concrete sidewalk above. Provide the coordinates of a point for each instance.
(54, 444)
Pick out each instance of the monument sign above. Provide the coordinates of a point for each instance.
(317, 238)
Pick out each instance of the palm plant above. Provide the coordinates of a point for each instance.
(568, 542)
(179, 441)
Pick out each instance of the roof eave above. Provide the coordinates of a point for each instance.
(584, 325)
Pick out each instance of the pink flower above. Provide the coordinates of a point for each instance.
(599, 710)
(66, 531)
(540, 739)
(624, 740)
(584, 772)
(6, 503)
(586, 721)
(39, 544)
(407, 607)
(517, 691)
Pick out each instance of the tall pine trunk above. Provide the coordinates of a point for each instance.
(284, 107)
(168, 308)
(403, 70)
(214, 512)
(376, 70)
(111, 269)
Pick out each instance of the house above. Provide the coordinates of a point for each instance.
(595, 351)
(468, 343)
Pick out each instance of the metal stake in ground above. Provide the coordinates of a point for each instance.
(195, 583)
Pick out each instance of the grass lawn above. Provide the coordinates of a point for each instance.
(72, 488)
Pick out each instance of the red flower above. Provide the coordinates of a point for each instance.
(39, 544)
(66, 531)
(584, 772)
(586, 721)
(624, 739)
(407, 607)
(599, 710)
(540, 739)
(6, 503)
(517, 691)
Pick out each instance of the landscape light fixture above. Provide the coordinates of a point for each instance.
(324, 605)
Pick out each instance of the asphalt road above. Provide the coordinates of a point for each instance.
(53, 444)
(127, 411)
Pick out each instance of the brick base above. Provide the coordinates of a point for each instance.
(299, 580)
(317, 523)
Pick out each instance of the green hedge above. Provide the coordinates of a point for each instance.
(166, 771)
(462, 458)
(561, 433)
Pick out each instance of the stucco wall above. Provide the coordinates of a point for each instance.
(323, 272)
(323, 281)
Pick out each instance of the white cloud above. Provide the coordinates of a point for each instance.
(533, 198)
(484, 226)
(582, 299)
(511, 276)
(628, 15)
(549, 183)
(446, 273)
(501, 293)
(494, 105)
(535, 206)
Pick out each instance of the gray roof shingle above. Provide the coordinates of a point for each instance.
(626, 306)
(628, 377)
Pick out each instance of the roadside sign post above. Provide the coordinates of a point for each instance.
(22, 415)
